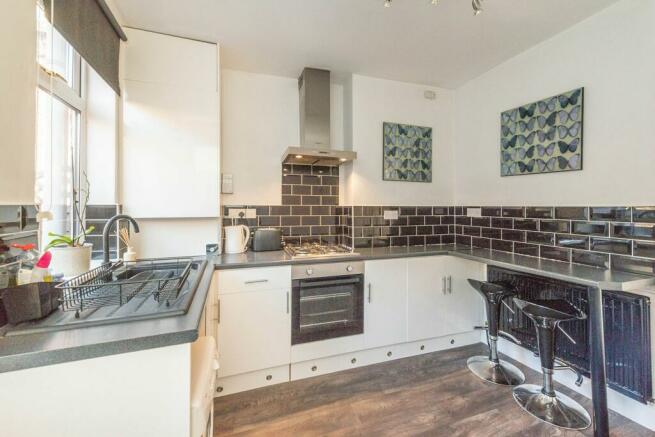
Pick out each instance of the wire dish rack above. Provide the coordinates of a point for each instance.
(116, 283)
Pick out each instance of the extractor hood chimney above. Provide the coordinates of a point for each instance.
(315, 146)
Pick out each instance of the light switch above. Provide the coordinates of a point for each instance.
(227, 184)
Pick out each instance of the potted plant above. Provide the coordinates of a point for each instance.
(71, 254)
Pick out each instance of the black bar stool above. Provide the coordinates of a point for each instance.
(543, 401)
(490, 368)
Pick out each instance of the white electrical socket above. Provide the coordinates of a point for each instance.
(391, 214)
(474, 212)
(248, 213)
(236, 213)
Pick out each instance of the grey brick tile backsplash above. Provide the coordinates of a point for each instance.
(617, 237)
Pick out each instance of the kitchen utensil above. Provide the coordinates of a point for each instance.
(264, 239)
(236, 238)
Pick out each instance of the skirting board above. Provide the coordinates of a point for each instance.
(633, 410)
(338, 362)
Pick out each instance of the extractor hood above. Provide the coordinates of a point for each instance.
(315, 147)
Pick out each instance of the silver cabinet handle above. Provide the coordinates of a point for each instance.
(218, 311)
(450, 285)
(256, 281)
(369, 292)
(287, 302)
(443, 284)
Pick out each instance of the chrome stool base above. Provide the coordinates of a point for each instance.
(498, 373)
(559, 410)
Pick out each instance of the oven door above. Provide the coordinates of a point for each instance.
(327, 307)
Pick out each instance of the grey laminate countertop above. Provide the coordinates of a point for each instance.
(42, 349)
(577, 273)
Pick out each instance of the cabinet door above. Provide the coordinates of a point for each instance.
(254, 331)
(385, 302)
(465, 305)
(171, 112)
(426, 308)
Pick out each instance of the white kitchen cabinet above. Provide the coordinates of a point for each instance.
(385, 302)
(254, 330)
(427, 310)
(171, 131)
(440, 299)
(135, 394)
(465, 305)
(254, 319)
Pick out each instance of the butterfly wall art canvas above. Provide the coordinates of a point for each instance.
(407, 153)
(543, 136)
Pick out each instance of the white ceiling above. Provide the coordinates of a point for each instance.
(413, 41)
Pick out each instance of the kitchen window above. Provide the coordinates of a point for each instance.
(76, 123)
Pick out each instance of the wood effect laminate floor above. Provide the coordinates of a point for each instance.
(432, 395)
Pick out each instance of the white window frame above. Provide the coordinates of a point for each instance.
(74, 97)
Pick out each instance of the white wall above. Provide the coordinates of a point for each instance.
(18, 104)
(260, 119)
(174, 237)
(375, 101)
(611, 55)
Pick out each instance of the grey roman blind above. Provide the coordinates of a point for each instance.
(90, 27)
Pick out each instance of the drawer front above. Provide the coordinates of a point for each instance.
(264, 278)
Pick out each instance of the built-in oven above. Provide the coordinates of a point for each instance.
(327, 301)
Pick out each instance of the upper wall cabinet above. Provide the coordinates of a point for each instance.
(17, 110)
(171, 131)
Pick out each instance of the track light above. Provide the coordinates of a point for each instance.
(477, 6)
(387, 3)
(434, 2)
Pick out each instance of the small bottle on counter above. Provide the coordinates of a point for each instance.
(40, 272)
(130, 254)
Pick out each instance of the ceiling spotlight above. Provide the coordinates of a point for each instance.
(477, 6)
(434, 2)
(298, 156)
(343, 159)
(387, 3)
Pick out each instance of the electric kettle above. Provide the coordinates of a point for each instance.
(236, 238)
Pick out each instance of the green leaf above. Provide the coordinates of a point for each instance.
(68, 240)
(58, 241)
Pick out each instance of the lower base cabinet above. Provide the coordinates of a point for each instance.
(254, 331)
(412, 306)
(440, 300)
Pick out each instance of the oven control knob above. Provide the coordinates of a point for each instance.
(349, 268)
(309, 272)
